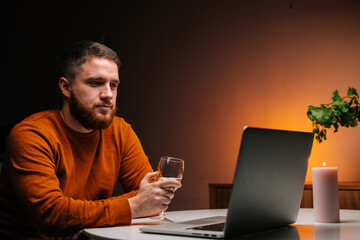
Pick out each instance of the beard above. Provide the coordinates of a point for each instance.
(87, 117)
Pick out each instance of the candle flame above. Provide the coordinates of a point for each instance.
(324, 165)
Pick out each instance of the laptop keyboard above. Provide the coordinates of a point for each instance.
(218, 227)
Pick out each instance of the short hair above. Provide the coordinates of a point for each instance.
(77, 53)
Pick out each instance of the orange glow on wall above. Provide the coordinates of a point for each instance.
(263, 70)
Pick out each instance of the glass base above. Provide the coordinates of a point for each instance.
(161, 217)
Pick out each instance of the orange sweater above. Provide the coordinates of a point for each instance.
(56, 181)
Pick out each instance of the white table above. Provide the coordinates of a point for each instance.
(347, 229)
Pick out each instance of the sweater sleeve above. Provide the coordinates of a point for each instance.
(33, 177)
(134, 164)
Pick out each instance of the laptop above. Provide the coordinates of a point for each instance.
(267, 187)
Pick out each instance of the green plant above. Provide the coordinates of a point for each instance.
(343, 111)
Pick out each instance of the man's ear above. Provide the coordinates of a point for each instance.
(64, 85)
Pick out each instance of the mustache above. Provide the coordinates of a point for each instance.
(105, 104)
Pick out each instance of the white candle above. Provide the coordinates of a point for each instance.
(325, 194)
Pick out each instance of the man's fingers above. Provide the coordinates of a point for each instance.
(164, 207)
(150, 176)
(169, 183)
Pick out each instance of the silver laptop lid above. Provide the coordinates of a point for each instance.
(268, 180)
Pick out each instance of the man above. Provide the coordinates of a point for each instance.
(61, 166)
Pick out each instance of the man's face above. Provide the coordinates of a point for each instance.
(93, 93)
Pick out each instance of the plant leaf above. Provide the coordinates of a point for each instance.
(309, 113)
(352, 91)
(340, 106)
(323, 116)
(336, 95)
(336, 126)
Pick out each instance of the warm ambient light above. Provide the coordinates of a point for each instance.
(324, 165)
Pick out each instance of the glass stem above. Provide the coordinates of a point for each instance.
(162, 215)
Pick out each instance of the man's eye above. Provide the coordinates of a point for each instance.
(113, 85)
(95, 84)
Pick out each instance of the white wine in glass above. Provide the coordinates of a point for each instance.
(169, 168)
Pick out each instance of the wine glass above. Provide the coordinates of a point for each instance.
(169, 168)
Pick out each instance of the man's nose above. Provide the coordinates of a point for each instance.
(106, 92)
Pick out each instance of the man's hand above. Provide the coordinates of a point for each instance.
(152, 197)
